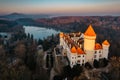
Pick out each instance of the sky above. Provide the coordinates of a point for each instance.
(61, 7)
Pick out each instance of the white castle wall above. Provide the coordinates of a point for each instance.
(89, 42)
(98, 54)
(89, 49)
(105, 51)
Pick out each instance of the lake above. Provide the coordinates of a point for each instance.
(40, 32)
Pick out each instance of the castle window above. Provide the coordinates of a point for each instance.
(100, 55)
(70, 45)
(79, 56)
(95, 52)
(99, 51)
(83, 61)
(94, 56)
(72, 62)
(83, 55)
(78, 61)
(72, 57)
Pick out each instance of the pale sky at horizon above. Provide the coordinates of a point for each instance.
(70, 7)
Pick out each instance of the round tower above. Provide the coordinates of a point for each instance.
(73, 57)
(61, 35)
(89, 43)
(105, 46)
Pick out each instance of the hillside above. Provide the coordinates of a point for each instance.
(14, 16)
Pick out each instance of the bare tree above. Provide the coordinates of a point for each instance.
(20, 50)
(2, 52)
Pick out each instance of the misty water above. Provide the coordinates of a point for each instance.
(40, 32)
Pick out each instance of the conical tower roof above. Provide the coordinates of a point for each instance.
(73, 49)
(106, 42)
(90, 31)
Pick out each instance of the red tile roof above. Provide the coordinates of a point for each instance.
(80, 51)
(98, 46)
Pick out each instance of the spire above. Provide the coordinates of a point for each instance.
(73, 49)
(106, 42)
(90, 31)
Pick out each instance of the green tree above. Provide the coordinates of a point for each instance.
(96, 64)
(31, 36)
(88, 65)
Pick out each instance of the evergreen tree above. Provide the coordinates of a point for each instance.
(28, 36)
(31, 36)
(96, 64)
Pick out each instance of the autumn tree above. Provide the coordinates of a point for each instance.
(20, 50)
(114, 70)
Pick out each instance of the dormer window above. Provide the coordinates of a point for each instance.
(95, 52)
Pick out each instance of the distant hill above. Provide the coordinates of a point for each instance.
(26, 21)
(9, 26)
(14, 16)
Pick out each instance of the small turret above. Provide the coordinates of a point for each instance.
(73, 56)
(61, 35)
(105, 46)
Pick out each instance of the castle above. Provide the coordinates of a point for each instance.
(82, 47)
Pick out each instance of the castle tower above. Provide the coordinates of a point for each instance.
(73, 56)
(105, 46)
(61, 35)
(89, 43)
